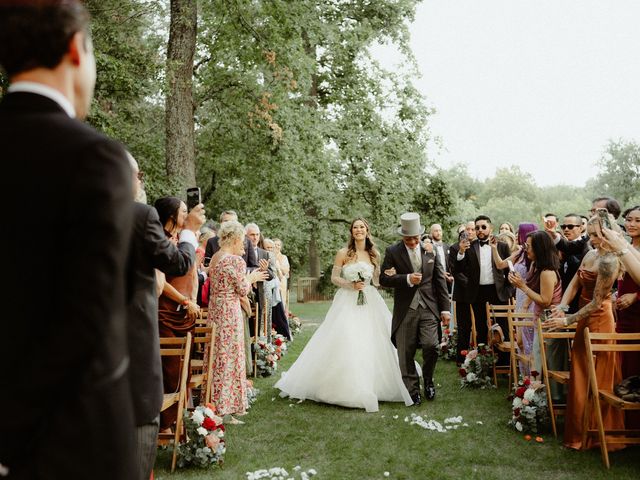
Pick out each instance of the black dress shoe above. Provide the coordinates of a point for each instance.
(430, 392)
(416, 399)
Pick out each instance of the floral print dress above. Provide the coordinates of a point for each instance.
(228, 284)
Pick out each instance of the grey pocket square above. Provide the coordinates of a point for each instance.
(430, 260)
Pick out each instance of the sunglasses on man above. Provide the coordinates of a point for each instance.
(569, 226)
(483, 227)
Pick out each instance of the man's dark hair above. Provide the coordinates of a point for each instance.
(551, 215)
(36, 33)
(612, 205)
(482, 217)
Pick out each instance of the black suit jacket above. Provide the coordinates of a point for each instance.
(433, 286)
(460, 279)
(64, 359)
(150, 249)
(568, 268)
(249, 256)
(470, 267)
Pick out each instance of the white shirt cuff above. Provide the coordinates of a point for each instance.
(409, 281)
(460, 256)
(557, 239)
(189, 237)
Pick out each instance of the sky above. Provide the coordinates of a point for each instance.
(543, 85)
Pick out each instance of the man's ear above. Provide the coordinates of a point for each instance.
(76, 48)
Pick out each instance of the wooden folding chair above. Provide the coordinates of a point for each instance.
(516, 322)
(254, 339)
(595, 342)
(203, 340)
(180, 347)
(494, 312)
(559, 376)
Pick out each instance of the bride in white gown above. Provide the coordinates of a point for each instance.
(350, 360)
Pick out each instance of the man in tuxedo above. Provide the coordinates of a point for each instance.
(421, 301)
(266, 261)
(578, 245)
(151, 249)
(485, 282)
(443, 252)
(66, 400)
(213, 244)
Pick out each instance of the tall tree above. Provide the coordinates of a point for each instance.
(619, 175)
(179, 121)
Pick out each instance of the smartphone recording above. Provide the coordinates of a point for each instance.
(193, 197)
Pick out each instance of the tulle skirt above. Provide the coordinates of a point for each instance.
(350, 360)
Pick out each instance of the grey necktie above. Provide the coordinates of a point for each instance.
(415, 259)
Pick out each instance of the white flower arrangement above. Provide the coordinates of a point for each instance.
(529, 409)
(204, 445)
(358, 272)
(475, 372)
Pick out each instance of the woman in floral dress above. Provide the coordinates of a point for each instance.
(229, 283)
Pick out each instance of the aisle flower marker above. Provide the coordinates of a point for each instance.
(529, 409)
(204, 445)
(475, 372)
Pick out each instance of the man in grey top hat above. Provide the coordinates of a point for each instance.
(421, 301)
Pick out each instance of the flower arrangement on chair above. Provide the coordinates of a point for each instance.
(447, 347)
(204, 445)
(529, 409)
(475, 372)
(280, 342)
(295, 325)
(266, 357)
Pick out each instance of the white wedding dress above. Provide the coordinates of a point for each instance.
(350, 360)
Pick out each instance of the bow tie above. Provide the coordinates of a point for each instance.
(483, 242)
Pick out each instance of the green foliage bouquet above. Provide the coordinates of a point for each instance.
(475, 372)
(530, 412)
(205, 438)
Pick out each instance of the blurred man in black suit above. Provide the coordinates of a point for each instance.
(151, 249)
(66, 402)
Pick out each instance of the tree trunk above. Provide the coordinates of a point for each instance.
(179, 123)
(314, 259)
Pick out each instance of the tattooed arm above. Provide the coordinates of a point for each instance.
(608, 270)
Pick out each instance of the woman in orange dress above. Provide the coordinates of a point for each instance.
(177, 306)
(599, 270)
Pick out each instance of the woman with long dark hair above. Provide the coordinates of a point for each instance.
(350, 360)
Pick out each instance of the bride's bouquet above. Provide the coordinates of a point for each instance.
(356, 273)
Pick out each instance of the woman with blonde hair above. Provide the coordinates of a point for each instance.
(229, 284)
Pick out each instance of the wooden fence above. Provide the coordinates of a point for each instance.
(307, 291)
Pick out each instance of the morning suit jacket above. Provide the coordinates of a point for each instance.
(433, 286)
(213, 245)
(150, 249)
(470, 267)
(65, 407)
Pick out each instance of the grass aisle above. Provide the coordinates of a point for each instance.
(342, 443)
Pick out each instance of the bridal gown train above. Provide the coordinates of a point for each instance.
(350, 360)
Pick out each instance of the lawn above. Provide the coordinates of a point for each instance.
(341, 443)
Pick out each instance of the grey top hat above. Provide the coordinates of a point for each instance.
(410, 225)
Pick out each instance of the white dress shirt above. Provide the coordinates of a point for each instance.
(45, 91)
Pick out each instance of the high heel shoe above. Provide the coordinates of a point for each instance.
(234, 421)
